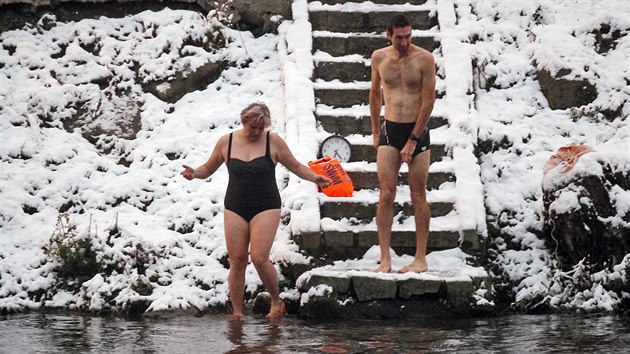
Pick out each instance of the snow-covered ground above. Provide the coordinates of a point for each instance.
(515, 40)
(169, 231)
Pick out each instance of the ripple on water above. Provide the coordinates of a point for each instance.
(54, 333)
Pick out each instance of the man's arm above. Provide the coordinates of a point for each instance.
(427, 99)
(427, 94)
(376, 98)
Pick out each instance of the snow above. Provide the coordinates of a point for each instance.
(47, 76)
(448, 265)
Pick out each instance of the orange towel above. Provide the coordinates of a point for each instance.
(568, 154)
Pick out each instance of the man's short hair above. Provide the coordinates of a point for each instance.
(397, 21)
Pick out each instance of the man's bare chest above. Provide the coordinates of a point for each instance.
(402, 74)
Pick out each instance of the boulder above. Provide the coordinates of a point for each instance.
(172, 89)
(256, 16)
(93, 119)
(562, 93)
(338, 284)
(581, 220)
(322, 307)
(606, 38)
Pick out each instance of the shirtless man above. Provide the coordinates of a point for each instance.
(403, 75)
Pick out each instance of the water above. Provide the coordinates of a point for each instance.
(57, 333)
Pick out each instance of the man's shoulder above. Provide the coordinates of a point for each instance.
(421, 51)
(422, 56)
(379, 53)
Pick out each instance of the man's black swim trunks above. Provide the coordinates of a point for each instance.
(396, 135)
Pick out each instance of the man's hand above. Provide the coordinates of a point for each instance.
(375, 138)
(407, 152)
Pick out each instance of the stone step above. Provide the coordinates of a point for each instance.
(365, 294)
(373, 21)
(356, 120)
(384, 2)
(343, 71)
(363, 202)
(334, 245)
(369, 179)
(347, 238)
(346, 125)
(345, 34)
(366, 212)
(341, 44)
(343, 97)
(348, 71)
(367, 153)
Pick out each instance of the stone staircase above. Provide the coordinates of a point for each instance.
(345, 33)
(343, 41)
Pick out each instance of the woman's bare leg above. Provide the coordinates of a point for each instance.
(237, 242)
(263, 229)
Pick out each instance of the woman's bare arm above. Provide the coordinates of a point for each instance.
(210, 166)
(285, 157)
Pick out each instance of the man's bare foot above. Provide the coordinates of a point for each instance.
(384, 267)
(416, 267)
(238, 317)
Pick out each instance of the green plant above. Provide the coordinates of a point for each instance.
(591, 114)
(220, 17)
(74, 253)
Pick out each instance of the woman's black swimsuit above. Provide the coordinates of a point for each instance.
(396, 135)
(252, 185)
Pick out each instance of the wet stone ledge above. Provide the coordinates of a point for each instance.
(398, 296)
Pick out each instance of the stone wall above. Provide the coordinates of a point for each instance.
(257, 16)
(39, 3)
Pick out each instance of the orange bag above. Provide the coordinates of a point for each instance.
(341, 185)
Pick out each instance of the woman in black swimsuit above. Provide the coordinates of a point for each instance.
(252, 200)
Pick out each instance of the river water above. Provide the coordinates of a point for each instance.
(60, 333)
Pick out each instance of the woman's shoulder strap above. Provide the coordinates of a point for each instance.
(268, 149)
(229, 146)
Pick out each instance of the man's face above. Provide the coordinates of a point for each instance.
(401, 39)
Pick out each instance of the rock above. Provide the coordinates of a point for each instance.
(137, 307)
(321, 307)
(412, 287)
(262, 303)
(576, 212)
(563, 93)
(256, 16)
(95, 118)
(338, 284)
(459, 293)
(368, 288)
(175, 88)
(16, 15)
(142, 286)
(605, 39)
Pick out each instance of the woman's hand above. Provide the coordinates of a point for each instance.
(322, 181)
(188, 172)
